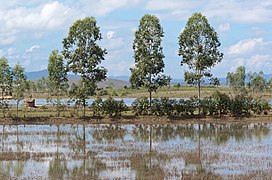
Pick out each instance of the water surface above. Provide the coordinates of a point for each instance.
(135, 151)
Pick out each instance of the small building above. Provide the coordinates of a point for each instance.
(30, 103)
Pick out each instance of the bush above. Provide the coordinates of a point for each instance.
(168, 106)
(103, 92)
(180, 107)
(140, 106)
(221, 102)
(96, 106)
(190, 106)
(240, 105)
(207, 106)
(113, 107)
(260, 106)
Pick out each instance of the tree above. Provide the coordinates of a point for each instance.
(258, 82)
(31, 86)
(215, 81)
(19, 85)
(41, 85)
(237, 80)
(5, 81)
(198, 46)
(148, 55)
(57, 77)
(84, 55)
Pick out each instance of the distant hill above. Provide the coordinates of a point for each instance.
(35, 75)
(109, 82)
(117, 81)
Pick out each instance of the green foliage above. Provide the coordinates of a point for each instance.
(257, 82)
(240, 105)
(148, 55)
(207, 106)
(168, 106)
(198, 46)
(260, 106)
(215, 81)
(97, 106)
(109, 107)
(41, 85)
(103, 92)
(57, 74)
(113, 107)
(5, 82)
(31, 86)
(83, 53)
(19, 85)
(237, 80)
(180, 107)
(57, 79)
(221, 102)
(140, 106)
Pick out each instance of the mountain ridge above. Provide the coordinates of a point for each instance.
(35, 75)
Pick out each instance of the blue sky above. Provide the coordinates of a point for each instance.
(31, 29)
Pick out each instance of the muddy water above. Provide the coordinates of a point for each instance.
(135, 151)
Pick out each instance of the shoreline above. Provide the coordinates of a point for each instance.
(138, 120)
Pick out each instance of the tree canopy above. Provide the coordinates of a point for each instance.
(84, 55)
(148, 55)
(19, 84)
(198, 47)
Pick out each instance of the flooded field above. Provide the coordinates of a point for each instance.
(135, 151)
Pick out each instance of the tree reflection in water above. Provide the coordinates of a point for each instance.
(142, 151)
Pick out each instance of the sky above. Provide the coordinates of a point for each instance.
(31, 29)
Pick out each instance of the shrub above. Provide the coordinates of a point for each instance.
(260, 106)
(103, 92)
(96, 106)
(113, 107)
(140, 106)
(207, 106)
(180, 107)
(168, 106)
(221, 102)
(190, 106)
(240, 105)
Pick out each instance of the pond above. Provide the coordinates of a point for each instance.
(43, 101)
(135, 151)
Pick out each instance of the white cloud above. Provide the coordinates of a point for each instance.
(260, 61)
(11, 51)
(111, 34)
(239, 11)
(1, 53)
(155, 5)
(224, 27)
(103, 7)
(26, 63)
(32, 48)
(46, 16)
(7, 40)
(245, 46)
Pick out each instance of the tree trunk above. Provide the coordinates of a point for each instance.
(84, 105)
(150, 139)
(17, 108)
(2, 101)
(199, 149)
(198, 115)
(150, 102)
